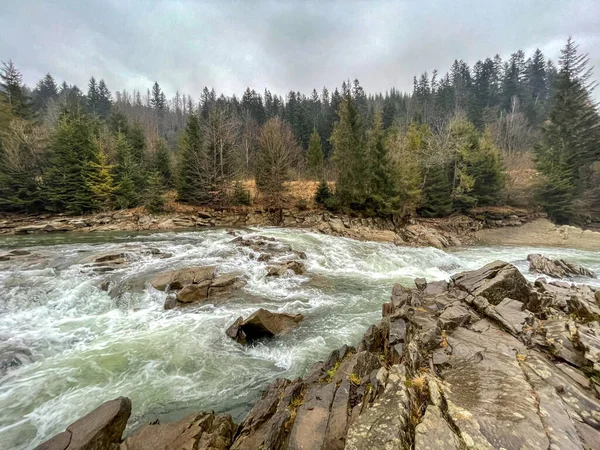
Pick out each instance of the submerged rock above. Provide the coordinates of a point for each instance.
(557, 268)
(263, 324)
(101, 429)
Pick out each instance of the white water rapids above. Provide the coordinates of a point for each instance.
(88, 346)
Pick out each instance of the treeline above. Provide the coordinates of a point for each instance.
(455, 142)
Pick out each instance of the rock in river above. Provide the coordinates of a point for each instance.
(263, 324)
(101, 429)
(557, 268)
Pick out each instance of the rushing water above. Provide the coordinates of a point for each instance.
(95, 336)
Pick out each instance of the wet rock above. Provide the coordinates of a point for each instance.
(557, 268)
(177, 279)
(489, 399)
(193, 292)
(295, 266)
(11, 357)
(225, 284)
(263, 324)
(495, 282)
(267, 424)
(385, 424)
(170, 301)
(454, 316)
(557, 423)
(205, 431)
(421, 283)
(511, 314)
(100, 429)
(434, 433)
(310, 426)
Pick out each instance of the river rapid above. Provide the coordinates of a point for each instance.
(89, 337)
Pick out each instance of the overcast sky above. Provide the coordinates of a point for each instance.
(282, 45)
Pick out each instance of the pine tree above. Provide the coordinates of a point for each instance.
(162, 162)
(190, 188)
(315, 159)
(381, 185)
(154, 195)
(349, 154)
(11, 90)
(93, 97)
(104, 100)
(45, 91)
(100, 182)
(436, 197)
(570, 141)
(67, 182)
(128, 179)
(323, 193)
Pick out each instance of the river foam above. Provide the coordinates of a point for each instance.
(86, 344)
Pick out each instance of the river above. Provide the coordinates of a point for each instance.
(95, 336)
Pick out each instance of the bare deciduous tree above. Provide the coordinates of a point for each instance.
(278, 151)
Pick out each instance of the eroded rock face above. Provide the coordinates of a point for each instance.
(495, 282)
(557, 268)
(98, 430)
(263, 324)
(205, 431)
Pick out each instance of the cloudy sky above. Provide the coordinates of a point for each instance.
(300, 45)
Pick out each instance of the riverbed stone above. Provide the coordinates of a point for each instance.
(177, 279)
(495, 282)
(193, 292)
(557, 268)
(100, 429)
(205, 431)
(263, 324)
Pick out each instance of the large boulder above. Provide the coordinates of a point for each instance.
(205, 431)
(99, 430)
(495, 281)
(177, 279)
(263, 324)
(557, 268)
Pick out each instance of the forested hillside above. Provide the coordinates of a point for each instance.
(521, 131)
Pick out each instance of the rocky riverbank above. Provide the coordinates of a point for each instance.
(439, 233)
(487, 360)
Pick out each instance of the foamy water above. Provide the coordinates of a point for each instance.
(88, 346)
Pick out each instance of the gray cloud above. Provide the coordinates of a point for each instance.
(299, 45)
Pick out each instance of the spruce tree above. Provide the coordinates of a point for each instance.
(93, 97)
(162, 162)
(11, 88)
(67, 181)
(129, 183)
(381, 185)
(154, 195)
(314, 158)
(190, 186)
(436, 195)
(100, 182)
(323, 193)
(349, 154)
(570, 142)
